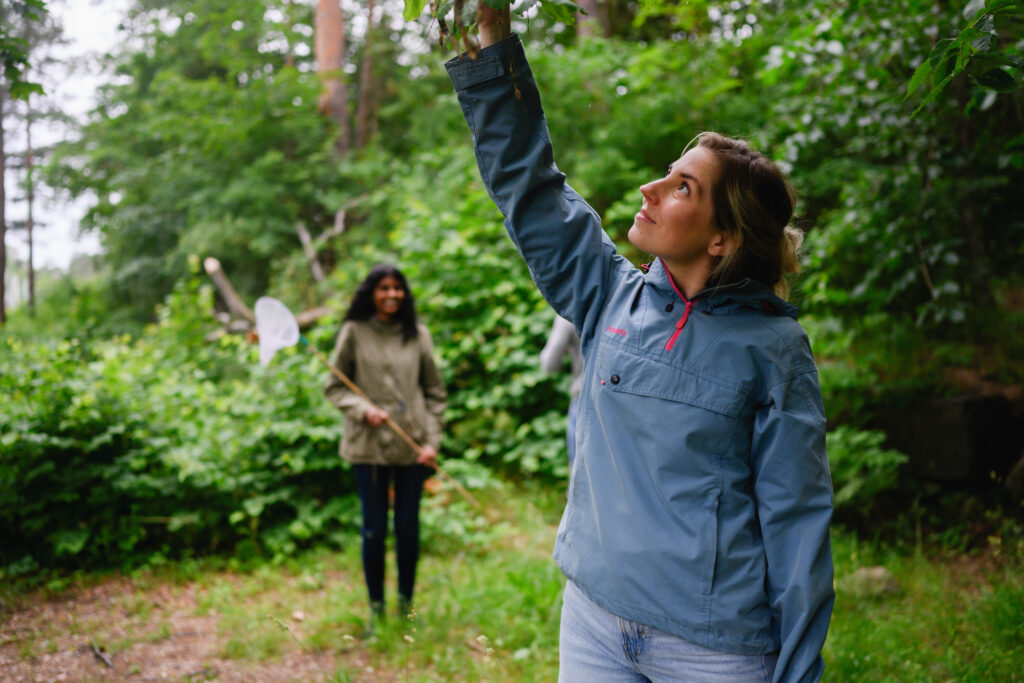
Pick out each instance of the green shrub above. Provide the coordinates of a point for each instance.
(861, 469)
(113, 451)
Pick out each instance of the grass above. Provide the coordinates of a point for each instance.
(486, 611)
(488, 601)
(949, 617)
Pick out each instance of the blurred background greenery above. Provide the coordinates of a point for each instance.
(136, 426)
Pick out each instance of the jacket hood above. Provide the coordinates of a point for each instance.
(737, 298)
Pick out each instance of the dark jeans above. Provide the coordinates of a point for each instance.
(373, 481)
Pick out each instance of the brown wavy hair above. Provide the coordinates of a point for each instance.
(753, 203)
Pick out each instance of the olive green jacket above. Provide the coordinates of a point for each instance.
(401, 378)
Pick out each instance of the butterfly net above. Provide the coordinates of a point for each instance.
(276, 327)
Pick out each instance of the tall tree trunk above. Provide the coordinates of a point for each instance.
(3, 216)
(367, 110)
(329, 45)
(30, 222)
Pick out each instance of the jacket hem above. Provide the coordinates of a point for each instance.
(697, 635)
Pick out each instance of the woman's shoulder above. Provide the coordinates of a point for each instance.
(355, 329)
(423, 334)
(350, 326)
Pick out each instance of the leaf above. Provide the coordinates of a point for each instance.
(972, 9)
(560, 10)
(921, 73)
(70, 541)
(1007, 6)
(524, 7)
(413, 8)
(996, 79)
(938, 53)
(20, 90)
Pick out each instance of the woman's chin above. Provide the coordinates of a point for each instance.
(635, 237)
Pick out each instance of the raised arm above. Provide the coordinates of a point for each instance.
(558, 234)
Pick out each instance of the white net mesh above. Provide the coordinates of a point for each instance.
(276, 327)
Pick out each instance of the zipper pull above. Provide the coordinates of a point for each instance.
(679, 325)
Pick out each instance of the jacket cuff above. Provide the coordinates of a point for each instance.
(492, 62)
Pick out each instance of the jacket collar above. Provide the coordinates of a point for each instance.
(390, 327)
(745, 296)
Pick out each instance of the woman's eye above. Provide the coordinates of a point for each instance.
(685, 188)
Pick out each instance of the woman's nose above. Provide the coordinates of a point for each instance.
(648, 192)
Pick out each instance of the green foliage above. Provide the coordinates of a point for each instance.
(14, 49)
(212, 146)
(862, 469)
(978, 50)
(903, 208)
(111, 451)
(558, 10)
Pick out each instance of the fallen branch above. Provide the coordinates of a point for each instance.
(98, 654)
(235, 305)
(309, 251)
(239, 318)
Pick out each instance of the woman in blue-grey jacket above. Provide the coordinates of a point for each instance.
(695, 538)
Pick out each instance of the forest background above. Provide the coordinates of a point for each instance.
(298, 143)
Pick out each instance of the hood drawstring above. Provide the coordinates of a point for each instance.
(680, 325)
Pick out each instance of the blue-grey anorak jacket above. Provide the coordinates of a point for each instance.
(700, 497)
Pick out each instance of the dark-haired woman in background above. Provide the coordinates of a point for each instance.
(390, 356)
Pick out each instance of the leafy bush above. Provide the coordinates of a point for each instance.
(861, 469)
(114, 450)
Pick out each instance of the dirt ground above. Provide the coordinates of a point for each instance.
(47, 640)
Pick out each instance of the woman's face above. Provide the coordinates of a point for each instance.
(388, 296)
(676, 220)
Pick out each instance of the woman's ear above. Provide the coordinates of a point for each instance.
(722, 244)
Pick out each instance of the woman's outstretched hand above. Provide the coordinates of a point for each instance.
(493, 24)
(376, 417)
(427, 456)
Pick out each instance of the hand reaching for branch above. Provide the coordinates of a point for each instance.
(493, 24)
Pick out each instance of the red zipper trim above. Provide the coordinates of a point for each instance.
(686, 311)
(679, 325)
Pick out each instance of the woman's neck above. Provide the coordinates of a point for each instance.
(689, 280)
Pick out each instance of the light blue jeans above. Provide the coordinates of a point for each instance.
(595, 646)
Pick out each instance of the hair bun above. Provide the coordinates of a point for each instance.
(792, 239)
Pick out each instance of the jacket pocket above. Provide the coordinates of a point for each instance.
(711, 534)
(644, 377)
(630, 373)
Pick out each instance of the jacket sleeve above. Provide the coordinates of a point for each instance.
(344, 358)
(434, 393)
(558, 234)
(793, 490)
